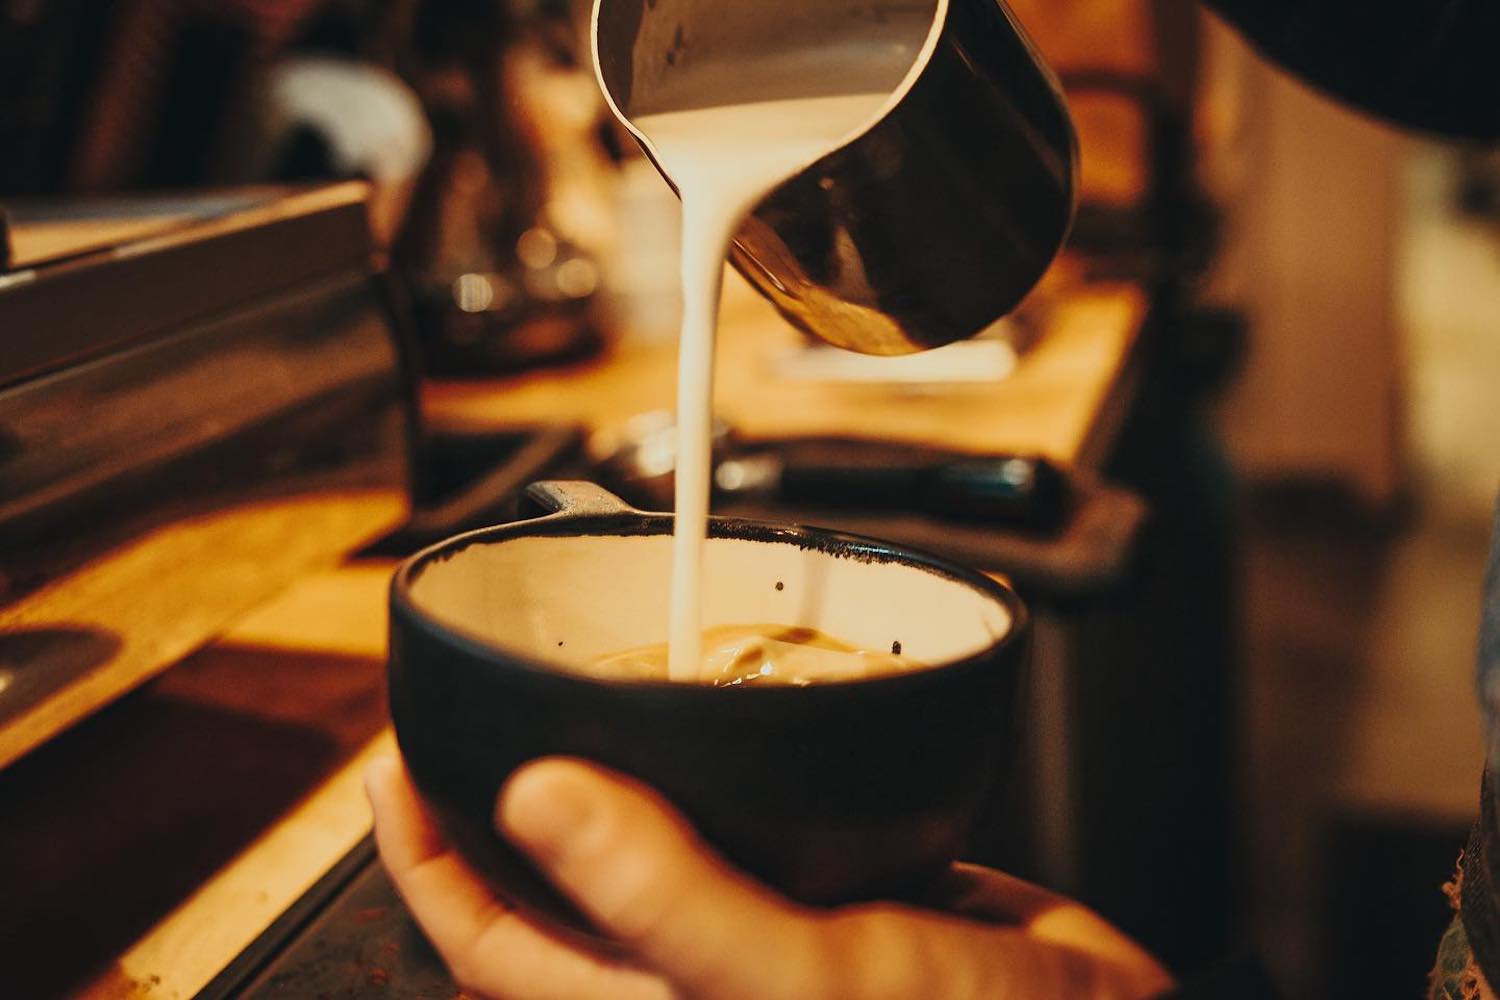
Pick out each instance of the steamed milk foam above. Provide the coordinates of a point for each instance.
(739, 655)
(723, 159)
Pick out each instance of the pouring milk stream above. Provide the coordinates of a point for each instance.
(974, 152)
(724, 159)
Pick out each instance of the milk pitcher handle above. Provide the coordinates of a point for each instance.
(569, 499)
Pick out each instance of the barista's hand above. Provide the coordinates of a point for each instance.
(696, 928)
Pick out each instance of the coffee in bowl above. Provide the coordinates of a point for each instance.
(741, 655)
(828, 792)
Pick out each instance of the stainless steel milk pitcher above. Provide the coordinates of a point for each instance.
(924, 228)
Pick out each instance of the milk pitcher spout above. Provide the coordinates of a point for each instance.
(930, 222)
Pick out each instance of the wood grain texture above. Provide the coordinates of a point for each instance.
(295, 661)
(187, 949)
(1051, 406)
(34, 243)
(40, 241)
(242, 556)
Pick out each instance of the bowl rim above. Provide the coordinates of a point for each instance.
(406, 612)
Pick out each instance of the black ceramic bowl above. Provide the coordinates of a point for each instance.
(832, 793)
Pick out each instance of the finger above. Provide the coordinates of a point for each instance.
(490, 949)
(985, 894)
(629, 861)
(446, 896)
(406, 835)
(890, 951)
(990, 896)
(895, 951)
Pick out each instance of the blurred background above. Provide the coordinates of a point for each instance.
(1342, 282)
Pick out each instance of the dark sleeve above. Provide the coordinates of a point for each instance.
(1428, 64)
(1240, 979)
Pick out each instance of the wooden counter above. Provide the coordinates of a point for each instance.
(37, 242)
(1056, 404)
(154, 618)
(246, 759)
(149, 845)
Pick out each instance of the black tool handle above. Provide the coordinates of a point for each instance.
(1012, 490)
(1022, 490)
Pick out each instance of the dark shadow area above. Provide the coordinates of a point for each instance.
(1358, 629)
(112, 825)
(1382, 914)
(350, 936)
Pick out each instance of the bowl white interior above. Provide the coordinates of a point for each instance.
(574, 599)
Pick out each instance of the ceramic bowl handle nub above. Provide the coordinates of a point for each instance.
(568, 499)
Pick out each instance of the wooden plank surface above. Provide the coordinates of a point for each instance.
(198, 939)
(151, 618)
(130, 224)
(307, 668)
(34, 243)
(1052, 405)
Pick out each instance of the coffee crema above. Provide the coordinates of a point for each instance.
(740, 655)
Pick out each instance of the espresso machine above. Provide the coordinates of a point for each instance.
(189, 386)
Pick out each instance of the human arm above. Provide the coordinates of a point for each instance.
(693, 927)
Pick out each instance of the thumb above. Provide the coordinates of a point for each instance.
(635, 866)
